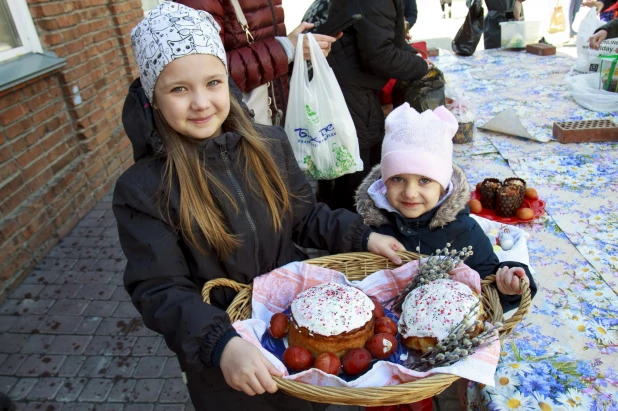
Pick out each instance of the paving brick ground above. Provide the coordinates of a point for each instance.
(70, 340)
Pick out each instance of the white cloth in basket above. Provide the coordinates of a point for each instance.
(274, 292)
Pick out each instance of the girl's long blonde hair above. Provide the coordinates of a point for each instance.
(200, 212)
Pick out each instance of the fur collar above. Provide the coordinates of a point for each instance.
(446, 213)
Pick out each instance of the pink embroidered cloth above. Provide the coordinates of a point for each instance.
(274, 292)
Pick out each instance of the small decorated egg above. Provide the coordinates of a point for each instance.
(506, 240)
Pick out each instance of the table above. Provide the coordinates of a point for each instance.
(563, 356)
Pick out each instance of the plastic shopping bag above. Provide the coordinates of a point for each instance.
(585, 91)
(557, 23)
(459, 105)
(318, 122)
(469, 35)
(588, 60)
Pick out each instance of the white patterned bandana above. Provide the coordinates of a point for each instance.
(172, 30)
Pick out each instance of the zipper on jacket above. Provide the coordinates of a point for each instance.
(256, 240)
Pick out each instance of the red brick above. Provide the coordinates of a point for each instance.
(8, 228)
(10, 204)
(10, 246)
(38, 101)
(52, 9)
(39, 181)
(64, 214)
(44, 114)
(23, 216)
(34, 225)
(5, 154)
(12, 114)
(65, 160)
(86, 206)
(8, 169)
(68, 20)
(29, 156)
(18, 128)
(18, 146)
(35, 11)
(48, 24)
(14, 264)
(10, 99)
(53, 139)
(31, 138)
(50, 126)
(67, 226)
(52, 39)
(12, 186)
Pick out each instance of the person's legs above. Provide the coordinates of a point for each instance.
(573, 9)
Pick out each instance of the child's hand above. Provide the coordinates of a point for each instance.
(385, 246)
(246, 369)
(596, 39)
(507, 280)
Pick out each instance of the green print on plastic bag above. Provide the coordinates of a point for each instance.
(344, 161)
(312, 116)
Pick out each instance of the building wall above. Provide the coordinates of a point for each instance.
(62, 145)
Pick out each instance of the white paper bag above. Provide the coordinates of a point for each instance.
(318, 122)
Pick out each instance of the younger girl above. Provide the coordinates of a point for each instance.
(421, 198)
(211, 195)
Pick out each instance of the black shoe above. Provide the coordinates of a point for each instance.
(6, 404)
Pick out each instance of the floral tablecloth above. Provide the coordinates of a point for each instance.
(564, 354)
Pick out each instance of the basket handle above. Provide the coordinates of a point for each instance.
(221, 282)
(524, 304)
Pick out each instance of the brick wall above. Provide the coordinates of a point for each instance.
(61, 140)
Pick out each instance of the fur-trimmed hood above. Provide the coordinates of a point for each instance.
(446, 212)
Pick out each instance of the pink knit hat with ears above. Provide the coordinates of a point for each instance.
(419, 144)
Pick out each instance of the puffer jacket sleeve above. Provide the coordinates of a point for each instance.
(158, 280)
(250, 65)
(375, 38)
(510, 302)
(611, 28)
(486, 262)
(483, 259)
(315, 225)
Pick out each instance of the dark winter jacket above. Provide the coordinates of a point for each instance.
(448, 223)
(367, 56)
(258, 62)
(410, 11)
(611, 28)
(164, 274)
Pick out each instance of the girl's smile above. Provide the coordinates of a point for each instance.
(412, 195)
(192, 93)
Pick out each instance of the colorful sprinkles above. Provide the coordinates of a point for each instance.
(331, 309)
(433, 309)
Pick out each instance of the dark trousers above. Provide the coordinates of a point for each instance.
(210, 392)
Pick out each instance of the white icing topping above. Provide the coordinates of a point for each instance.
(331, 308)
(433, 309)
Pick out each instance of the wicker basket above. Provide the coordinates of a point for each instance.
(357, 266)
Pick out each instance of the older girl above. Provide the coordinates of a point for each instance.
(211, 195)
